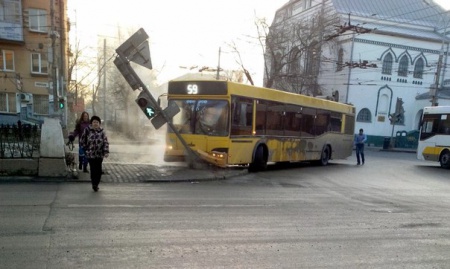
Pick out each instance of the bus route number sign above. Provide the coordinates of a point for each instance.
(192, 89)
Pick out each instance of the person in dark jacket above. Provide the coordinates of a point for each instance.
(360, 139)
(96, 145)
(80, 125)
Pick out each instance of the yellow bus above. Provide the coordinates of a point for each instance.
(434, 136)
(231, 124)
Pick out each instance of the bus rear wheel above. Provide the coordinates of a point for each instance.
(324, 156)
(259, 161)
(445, 159)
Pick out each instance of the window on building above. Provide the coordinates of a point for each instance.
(3, 102)
(7, 60)
(312, 59)
(8, 102)
(383, 102)
(2, 12)
(294, 61)
(12, 102)
(274, 63)
(340, 60)
(403, 67)
(39, 63)
(364, 115)
(418, 68)
(387, 64)
(10, 11)
(37, 20)
(41, 104)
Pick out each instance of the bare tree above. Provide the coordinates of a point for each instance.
(240, 62)
(77, 62)
(293, 49)
(80, 68)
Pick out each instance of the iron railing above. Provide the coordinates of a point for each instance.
(19, 141)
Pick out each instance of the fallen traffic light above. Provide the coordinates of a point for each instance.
(146, 104)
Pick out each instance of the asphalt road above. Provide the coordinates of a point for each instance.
(393, 212)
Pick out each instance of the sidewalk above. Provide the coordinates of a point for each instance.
(131, 161)
(406, 150)
(119, 172)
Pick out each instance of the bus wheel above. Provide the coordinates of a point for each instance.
(325, 156)
(259, 161)
(445, 159)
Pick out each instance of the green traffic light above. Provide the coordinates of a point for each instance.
(150, 112)
(61, 103)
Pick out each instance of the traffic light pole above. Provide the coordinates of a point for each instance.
(192, 155)
(391, 142)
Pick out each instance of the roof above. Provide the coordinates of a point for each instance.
(415, 18)
(415, 12)
(441, 94)
(416, 33)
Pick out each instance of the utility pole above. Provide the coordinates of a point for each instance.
(218, 66)
(435, 87)
(104, 82)
(54, 67)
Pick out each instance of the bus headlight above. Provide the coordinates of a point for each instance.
(216, 154)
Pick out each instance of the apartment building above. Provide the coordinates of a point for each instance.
(33, 59)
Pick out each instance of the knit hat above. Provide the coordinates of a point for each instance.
(97, 118)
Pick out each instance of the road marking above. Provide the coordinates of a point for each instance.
(168, 206)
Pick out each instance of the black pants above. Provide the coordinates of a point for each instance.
(96, 170)
(360, 152)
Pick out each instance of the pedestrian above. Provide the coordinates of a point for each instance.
(81, 124)
(360, 139)
(96, 145)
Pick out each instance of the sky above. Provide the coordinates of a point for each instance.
(182, 33)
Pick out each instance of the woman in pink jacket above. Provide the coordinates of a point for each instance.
(80, 125)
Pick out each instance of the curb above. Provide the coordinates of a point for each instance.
(145, 173)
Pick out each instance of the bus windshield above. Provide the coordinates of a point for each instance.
(207, 117)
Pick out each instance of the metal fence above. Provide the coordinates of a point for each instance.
(19, 141)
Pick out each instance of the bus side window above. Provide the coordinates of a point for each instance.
(335, 122)
(241, 116)
(274, 123)
(444, 124)
(322, 122)
(308, 116)
(260, 118)
(292, 121)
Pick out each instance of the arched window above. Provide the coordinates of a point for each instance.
(387, 64)
(312, 59)
(403, 66)
(294, 61)
(364, 115)
(418, 68)
(340, 60)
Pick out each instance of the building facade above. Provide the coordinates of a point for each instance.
(33, 59)
(384, 57)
